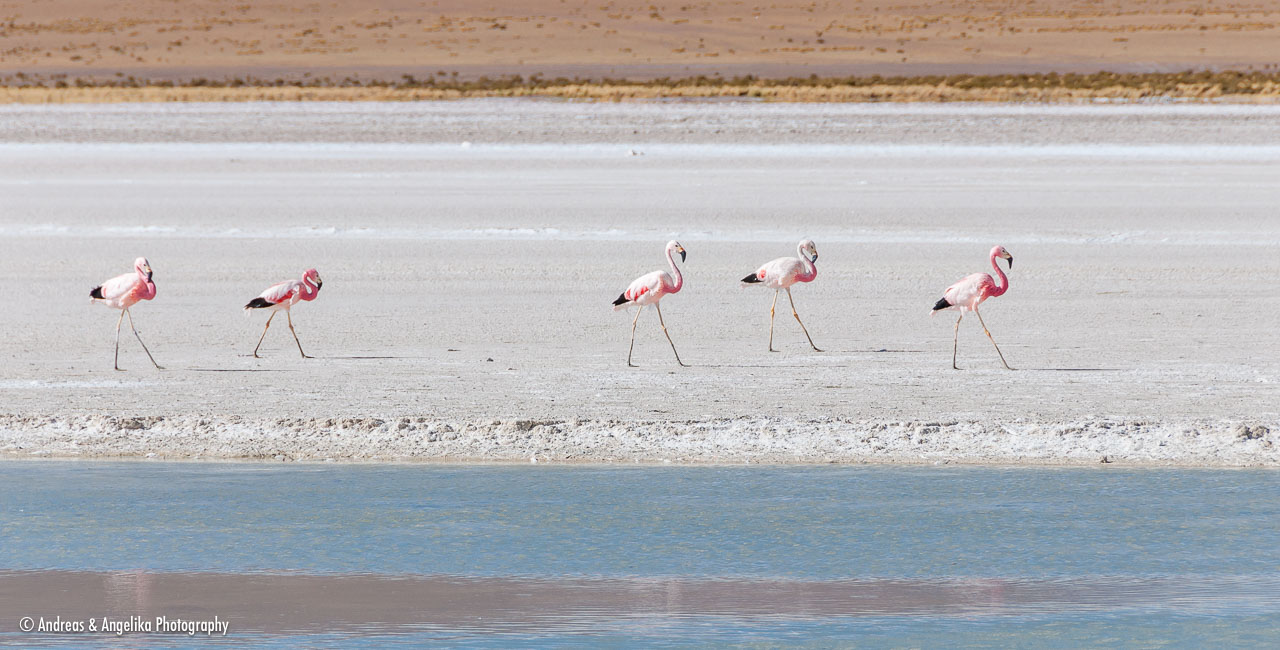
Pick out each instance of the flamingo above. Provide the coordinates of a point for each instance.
(781, 274)
(968, 293)
(284, 295)
(648, 289)
(123, 292)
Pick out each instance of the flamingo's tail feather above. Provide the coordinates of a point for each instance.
(258, 303)
(751, 279)
(96, 293)
(940, 305)
(621, 302)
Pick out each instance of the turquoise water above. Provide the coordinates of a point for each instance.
(887, 556)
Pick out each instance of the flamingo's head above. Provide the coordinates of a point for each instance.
(314, 276)
(675, 247)
(809, 249)
(1000, 252)
(141, 265)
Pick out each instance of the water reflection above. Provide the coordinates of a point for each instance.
(277, 603)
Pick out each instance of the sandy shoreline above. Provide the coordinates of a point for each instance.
(1231, 87)
(721, 441)
(471, 284)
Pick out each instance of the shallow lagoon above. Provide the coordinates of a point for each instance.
(508, 555)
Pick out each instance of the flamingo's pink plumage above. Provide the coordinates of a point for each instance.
(283, 295)
(786, 271)
(650, 288)
(123, 292)
(128, 289)
(965, 296)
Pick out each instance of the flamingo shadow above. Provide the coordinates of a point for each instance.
(1076, 369)
(367, 357)
(241, 370)
(797, 365)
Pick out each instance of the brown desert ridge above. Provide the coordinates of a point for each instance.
(840, 51)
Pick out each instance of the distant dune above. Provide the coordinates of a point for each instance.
(168, 40)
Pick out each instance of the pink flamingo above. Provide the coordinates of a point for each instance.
(285, 295)
(968, 293)
(123, 292)
(648, 289)
(781, 274)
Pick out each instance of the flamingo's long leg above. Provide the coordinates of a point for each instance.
(955, 343)
(633, 337)
(118, 322)
(289, 315)
(664, 331)
(802, 327)
(264, 335)
(993, 341)
(144, 345)
(771, 308)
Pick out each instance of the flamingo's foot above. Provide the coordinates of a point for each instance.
(632, 365)
(818, 349)
(307, 356)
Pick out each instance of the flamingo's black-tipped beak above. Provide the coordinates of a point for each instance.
(1010, 261)
(682, 255)
(319, 283)
(149, 275)
(815, 256)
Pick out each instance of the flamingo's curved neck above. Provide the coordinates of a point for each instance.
(810, 269)
(309, 291)
(675, 273)
(146, 282)
(1003, 284)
